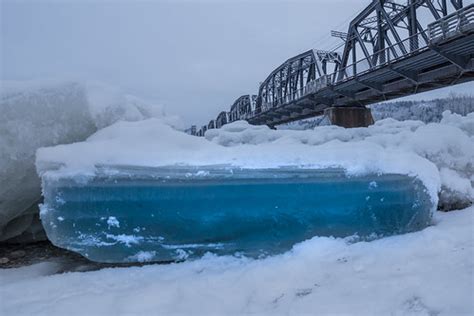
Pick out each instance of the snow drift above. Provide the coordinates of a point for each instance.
(440, 155)
(38, 114)
(449, 145)
(151, 143)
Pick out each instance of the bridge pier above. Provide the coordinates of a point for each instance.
(350, 116)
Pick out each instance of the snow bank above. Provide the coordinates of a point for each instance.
(448, 144)
(152, 143)
(465, 123)
(440, 154)
(47, 113)
(424, 273)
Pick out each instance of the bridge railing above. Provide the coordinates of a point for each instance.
(450, 25)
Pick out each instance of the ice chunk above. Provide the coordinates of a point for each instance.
(184, 212)
(35, 114)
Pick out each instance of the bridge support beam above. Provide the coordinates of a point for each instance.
(348, 117)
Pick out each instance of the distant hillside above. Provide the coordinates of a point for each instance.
(426, 111)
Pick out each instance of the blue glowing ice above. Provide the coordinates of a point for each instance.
(168, 214)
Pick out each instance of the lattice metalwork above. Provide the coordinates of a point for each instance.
(297, 77)
(222, 119)
(391, 49)
(386, 31)
(243, 108)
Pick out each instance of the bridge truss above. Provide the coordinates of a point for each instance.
(391, 49)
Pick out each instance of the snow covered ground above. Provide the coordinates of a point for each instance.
(430, 272)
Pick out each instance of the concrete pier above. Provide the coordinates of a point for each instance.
(345, 116)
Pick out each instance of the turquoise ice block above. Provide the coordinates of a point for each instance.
(127, 214)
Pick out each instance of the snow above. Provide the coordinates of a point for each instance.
(127, 240)
(45, 113)
(441, 154)
(112, 221)
(430, 272)
(143, 256)
(151, 143)
(448, 144)
(465, 123)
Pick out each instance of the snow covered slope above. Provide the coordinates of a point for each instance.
(37, 114)
(430, 272)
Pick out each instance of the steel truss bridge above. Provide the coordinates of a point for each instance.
(390, 50)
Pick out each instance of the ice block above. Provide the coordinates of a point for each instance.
(136, 214)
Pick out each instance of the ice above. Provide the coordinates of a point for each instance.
(186, 212)
(45, 113)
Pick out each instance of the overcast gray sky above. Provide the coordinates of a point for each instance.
(194, 57)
